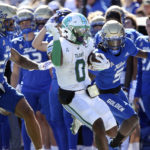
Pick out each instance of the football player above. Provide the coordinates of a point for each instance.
(70, 54)
(60, 118)
(142, 90)
(10, 99)
(117, 48)
(36, 84)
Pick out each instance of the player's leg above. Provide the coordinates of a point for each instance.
(44, 129)
(145, 100)
(24, 111)
(83, 111)
(124, 114)
(5, 131)
(72, 139)
(15, 102)
(57, 118)
(44, 120)
(33, 102)
(87, 138)
(134, 142)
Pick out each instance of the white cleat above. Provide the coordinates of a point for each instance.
(76, 124)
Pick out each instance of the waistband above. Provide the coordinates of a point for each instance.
(112, 91)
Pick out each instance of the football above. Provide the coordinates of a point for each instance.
(96, 57)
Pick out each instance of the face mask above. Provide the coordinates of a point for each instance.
(114, 52)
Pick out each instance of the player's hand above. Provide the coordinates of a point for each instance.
(102, 62)
(52, 28)
(45, 65)
(4, 112)
(135, 102)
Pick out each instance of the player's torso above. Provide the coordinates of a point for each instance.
(35, 79)
(73, 74)
(110, 78)
(4, 55)
(144, 44)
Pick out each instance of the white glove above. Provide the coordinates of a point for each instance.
(51, 27)
(102, 64)
(45, 65)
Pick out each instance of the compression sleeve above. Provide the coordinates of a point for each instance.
(56, 55)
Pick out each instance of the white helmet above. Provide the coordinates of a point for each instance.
(75, 28)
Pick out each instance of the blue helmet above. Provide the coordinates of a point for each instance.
(113, 36)
(41, 15)
(96, 24)
(7, 18)
(24, 15)
(118, 9)
(60, 14)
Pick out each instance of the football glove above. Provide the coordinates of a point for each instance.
(45, 65)
(101, 64)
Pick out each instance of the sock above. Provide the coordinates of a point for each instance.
(117, 140)
(94, 148)
(87, 148)
(136, 146)
(130, 146)
(79, 147)
(133, 146)
(125, 144)
(54, 148)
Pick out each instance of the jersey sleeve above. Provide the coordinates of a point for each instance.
(56, 54)
(139, 79)
(132, 49)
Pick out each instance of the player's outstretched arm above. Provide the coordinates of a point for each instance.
(27, 63)
(56, 54)
(142, 54)
(38, 42)
(23, 61)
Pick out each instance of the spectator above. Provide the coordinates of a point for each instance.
(131, 6)
(146, 7)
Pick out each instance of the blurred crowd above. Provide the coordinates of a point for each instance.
(135, 13)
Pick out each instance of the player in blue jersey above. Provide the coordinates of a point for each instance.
(36, 84)
(142, 90)
(10, 99)
(117, 48)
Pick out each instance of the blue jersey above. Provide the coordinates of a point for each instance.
(99, 5)
(110, 78)
(143, 82)
(132, 8)
(4, 55)
(35, 80)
